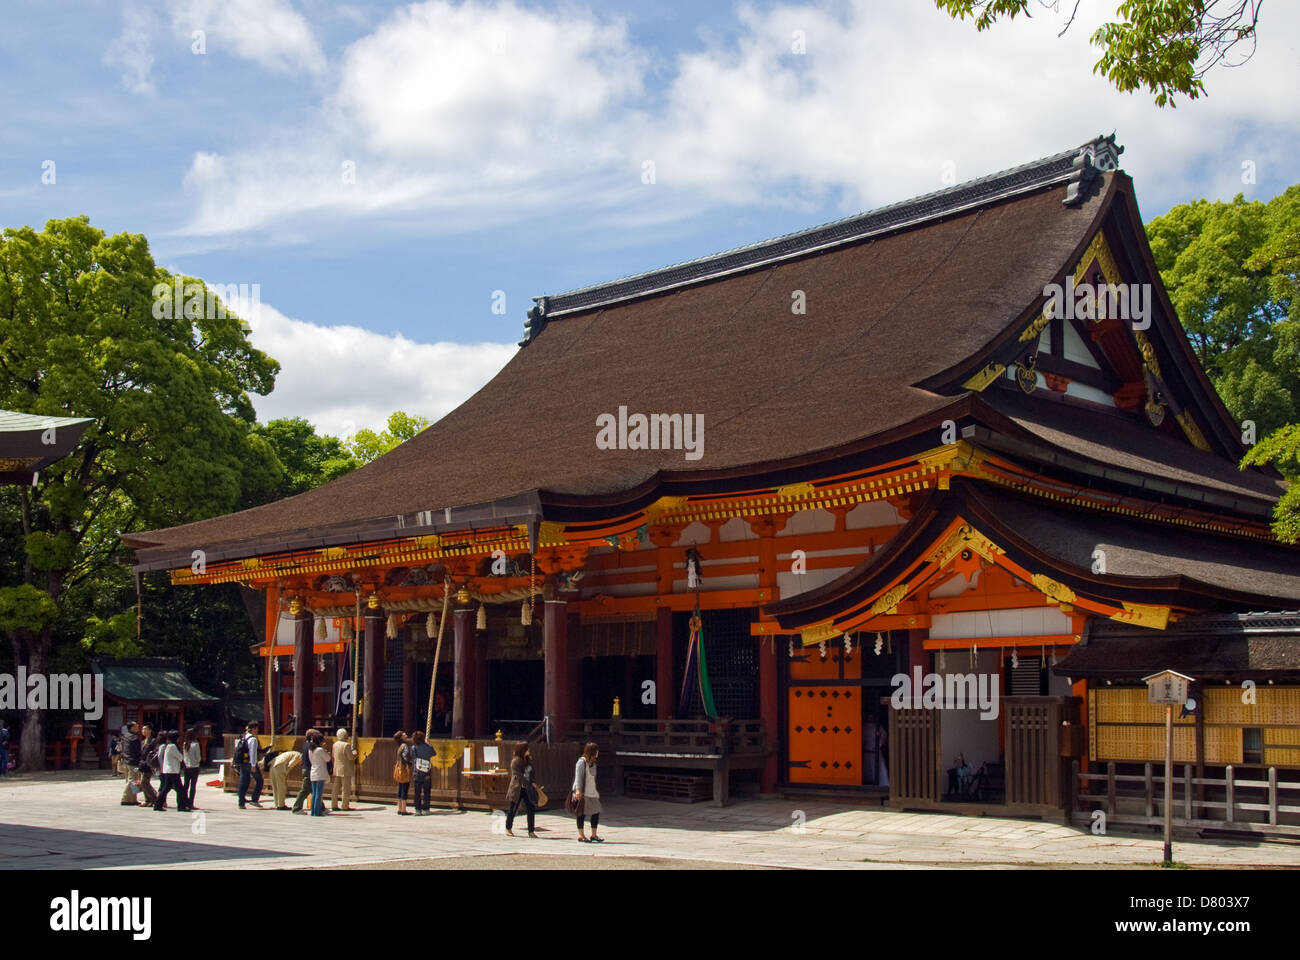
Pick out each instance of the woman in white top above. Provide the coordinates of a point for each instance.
(320, 772)
(191, 760)
(169, 757)
(585, 792)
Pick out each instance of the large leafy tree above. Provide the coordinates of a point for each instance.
(171, 439)
(1233, 273)
(1166, 46)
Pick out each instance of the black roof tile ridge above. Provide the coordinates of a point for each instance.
(1047, 171)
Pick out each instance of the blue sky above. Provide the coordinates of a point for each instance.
(503, 146)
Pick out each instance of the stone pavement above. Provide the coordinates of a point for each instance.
(74, 820)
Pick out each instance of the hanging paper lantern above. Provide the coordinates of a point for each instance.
(321, 632)
(462, 596)
(295, 606)
(372, 601)
(481, 621)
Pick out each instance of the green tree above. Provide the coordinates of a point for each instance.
(1166, 46)
(1233, 273)
(81, 334)
(307, 458)
(366, 445)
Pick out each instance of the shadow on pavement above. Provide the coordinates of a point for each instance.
(50, 848)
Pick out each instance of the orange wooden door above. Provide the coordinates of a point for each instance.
(824, 734)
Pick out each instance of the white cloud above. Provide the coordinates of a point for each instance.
(473, 108)
(270, 33)
(132, 50)
(343, 378)
(481, 113)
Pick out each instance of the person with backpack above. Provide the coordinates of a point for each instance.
(422, 755)
(4, 749)
(320, 772)
(305, 770)
(586, 794)
(245, 760)
(170, 762)
(191, 760)
(402, 772)
(521, 790)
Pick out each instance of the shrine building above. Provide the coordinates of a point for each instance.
(872, 448)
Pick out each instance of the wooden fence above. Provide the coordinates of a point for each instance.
(1246, 805)
(375, 782)
(690, 748)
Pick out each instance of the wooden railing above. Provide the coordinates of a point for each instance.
(703, 738)
(1246, 805)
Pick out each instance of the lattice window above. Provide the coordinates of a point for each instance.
(732, 658)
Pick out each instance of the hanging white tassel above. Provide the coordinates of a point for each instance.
(481, 622)
(321, 633)
(430, 626)
(526, 614)
(390, 630)
(346, 632)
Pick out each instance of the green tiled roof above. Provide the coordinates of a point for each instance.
(150, 679)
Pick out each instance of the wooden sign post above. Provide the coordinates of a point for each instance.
(1170, 688)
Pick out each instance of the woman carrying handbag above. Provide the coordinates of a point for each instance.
(402, 772)
(585, 797)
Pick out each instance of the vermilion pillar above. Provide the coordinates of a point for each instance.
(482, 676)
(664, 664)
(303, 674)
(463, 710)
(408, 695)
(558, 690)
(372, 703)
(917, 655)
(767, 528)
